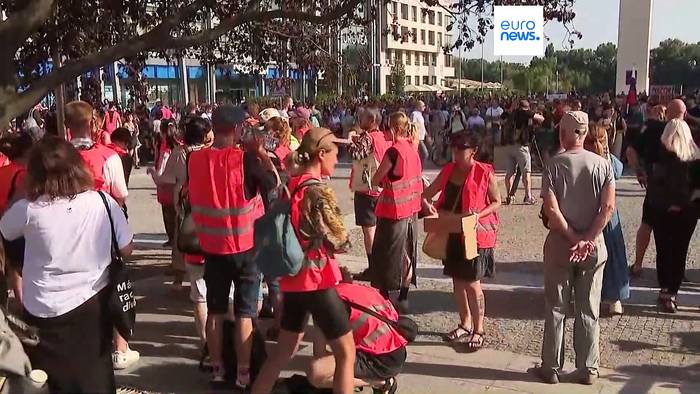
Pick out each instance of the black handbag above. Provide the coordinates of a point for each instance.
(121, 302)
(405, 326)
(186, 239)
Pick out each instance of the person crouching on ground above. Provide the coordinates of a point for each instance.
(319, 227)
(381, 350)
(467, 187)
(395, 248)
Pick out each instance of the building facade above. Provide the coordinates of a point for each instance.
(633, 45)
(417, 36)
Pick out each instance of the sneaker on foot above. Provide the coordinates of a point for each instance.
(243, 378)
(390, 386)
(616, 308)
(547, 375)
(587, 376)
(123, 360)
(218, 374)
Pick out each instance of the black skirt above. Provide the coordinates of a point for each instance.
(394, 240)
(457, 267)
(75, 348)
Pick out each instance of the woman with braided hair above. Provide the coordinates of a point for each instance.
(318, 225)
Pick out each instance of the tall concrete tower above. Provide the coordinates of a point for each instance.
(634, 44)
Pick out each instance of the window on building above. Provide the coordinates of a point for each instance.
(414, 33)
(448, 60)
(388, 83)
(425, 59)
(404, 11)
(422, 36)
(389, 58)
(431, 17)
(404, 34)
(417, 59)
(433, 80)
(394, 8)
(417, 79)
(414, 14)
(398, 57)
(439, 39)
(439, 18)
(408, 58)
(447, 19)
(431, 37)
(408, 79)
(433, 59)
(426, 80)
(422, 17)
(448, 39)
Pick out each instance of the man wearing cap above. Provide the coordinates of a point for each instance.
(225, 185)
(578, 189)
(518, 151)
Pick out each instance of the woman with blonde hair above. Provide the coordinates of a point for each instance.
(395, 248)
(670, 191)
(616, 281)
(318, 225)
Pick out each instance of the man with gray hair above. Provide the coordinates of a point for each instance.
(578, 189)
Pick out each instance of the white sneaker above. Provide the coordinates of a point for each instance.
(123, 360)
(616, 308)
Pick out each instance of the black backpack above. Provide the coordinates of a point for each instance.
(228, 355)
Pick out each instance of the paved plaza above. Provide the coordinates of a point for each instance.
(641, 351)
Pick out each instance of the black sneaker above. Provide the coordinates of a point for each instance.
(546, 375)
(390, 387)
(363, 276)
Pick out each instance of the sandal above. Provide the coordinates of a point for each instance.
(455, 336)
(476, 342)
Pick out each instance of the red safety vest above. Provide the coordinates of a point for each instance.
(11, 174)
(371, 335)
(401, 199)
(281, 152)
(475, 197)
(223, 216)
(379, 146)
(320, 270)
(95, 158)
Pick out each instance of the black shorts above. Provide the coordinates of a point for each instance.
(222, 270)
(364, 210)
(328, 310)
(382, 367)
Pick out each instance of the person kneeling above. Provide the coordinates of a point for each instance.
(381, 350)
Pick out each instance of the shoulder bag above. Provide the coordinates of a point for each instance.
(187, 241)
(122, 304)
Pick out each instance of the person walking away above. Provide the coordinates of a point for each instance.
(616, 280)
(641, 155)
(380, 350)
(112, 120)
(673, 216)
(68, 235)
(164, 193)
(518, 151)
(468, 187)
(225, 184)
(131, 124)
(107, 172)
(371, 144)
(12, 176)
(395, 247)
(197, 136)
(578, 188)
(121, 138)
(419, 120)
(493, 121)
(316, 219)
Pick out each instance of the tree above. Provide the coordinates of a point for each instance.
(44, 43)
(398, 78)
(676, 63)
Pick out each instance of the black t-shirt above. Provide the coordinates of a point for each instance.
(648, 144)
(694, 112)
(520, 127)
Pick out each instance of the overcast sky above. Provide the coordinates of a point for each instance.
(598, 21)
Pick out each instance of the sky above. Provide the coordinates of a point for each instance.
(597, 20)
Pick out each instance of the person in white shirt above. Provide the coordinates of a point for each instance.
(493, 120)
(68, 249)
(419, 120)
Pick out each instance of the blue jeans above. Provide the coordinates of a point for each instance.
(422, 151)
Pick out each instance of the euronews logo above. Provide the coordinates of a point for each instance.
(518, 30)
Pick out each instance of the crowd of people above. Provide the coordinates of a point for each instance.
(218, 169)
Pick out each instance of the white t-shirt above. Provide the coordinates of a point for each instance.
(67, 250)
(417, 118)
(494, 113)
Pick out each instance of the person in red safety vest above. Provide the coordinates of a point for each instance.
(319, 228)
(468, 186)
(108, 175)
(16, 148)
(381, 350)
(225, 185)
(367, 151)
(395, 248)
(104, 163)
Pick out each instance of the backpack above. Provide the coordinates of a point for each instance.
(278, 252)
(258, 353)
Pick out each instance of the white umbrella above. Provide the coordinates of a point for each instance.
(412, 88)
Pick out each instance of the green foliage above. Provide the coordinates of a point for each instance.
(398, 79)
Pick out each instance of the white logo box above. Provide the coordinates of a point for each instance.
(518, 31)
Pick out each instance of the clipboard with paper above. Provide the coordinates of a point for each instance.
(439, 228)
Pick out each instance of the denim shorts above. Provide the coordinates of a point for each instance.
(222, 270)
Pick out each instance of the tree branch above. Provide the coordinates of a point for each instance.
(15, 29)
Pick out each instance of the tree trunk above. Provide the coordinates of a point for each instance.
(60, 100)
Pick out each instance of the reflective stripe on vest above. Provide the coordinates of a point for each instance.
(372, 338)
(365, 316)
(401, 199)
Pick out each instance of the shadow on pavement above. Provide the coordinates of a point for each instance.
(465, 372)
(503, 304)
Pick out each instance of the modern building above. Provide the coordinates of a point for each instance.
(417, 36)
